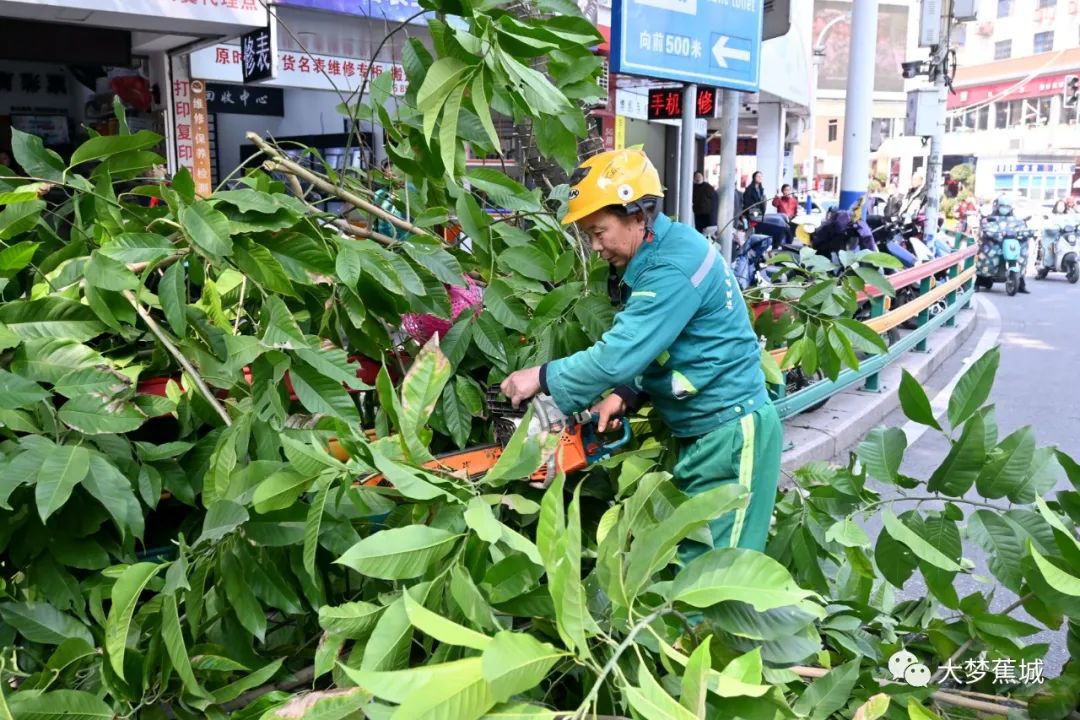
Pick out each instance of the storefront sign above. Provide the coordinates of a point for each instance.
(393, 10)
(257, 55)
(181, 15)
(1036, 87)
(666, 103)
(620, 132)
(192, 137)
(242, 100)
(298, 70)
(200, 138)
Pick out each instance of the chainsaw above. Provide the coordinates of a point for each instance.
(579, 444)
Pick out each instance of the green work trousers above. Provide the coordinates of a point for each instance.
(745, 451)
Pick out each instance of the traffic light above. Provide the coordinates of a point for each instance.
(1071, 95)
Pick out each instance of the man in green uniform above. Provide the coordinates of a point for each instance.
(683, 341)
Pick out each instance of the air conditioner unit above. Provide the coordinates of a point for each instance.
(986, 28)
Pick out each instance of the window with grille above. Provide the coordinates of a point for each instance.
(1003, 50)
(1004, 8)
(1044, 42)
(834, 130)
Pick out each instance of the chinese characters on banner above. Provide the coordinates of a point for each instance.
(200, 139)
(666, 103)
(192, 131)
(224, 63)
(244, 100)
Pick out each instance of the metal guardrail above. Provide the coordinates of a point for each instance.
(956, 293)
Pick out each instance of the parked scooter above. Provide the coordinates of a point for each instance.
(1059, 250)
(1004, 242)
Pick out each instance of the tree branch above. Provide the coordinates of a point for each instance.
(326, 186)
(971, 641)
(348, 227)
(175, 352)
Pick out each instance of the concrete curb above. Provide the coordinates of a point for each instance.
(847, 417)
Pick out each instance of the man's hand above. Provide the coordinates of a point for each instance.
(609, 409)
(521, 386)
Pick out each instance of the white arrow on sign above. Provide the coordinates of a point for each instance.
(723, 53)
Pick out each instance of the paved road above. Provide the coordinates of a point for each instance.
(1040, 346)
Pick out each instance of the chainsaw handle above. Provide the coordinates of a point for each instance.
(626, 434)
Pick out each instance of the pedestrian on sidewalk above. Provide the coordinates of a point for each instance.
(703, 202)
(786, 203)
(682, 340)
(754, 196)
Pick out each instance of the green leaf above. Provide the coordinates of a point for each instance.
(59, 704)
(829, 693)
(528, 260)
(399, 553)
(17, 256)
(973, 388)
(51, 317)
(337, 704)
(173, 635)
(882, 452)
(222, 518)
(848, 533)
(922, 549)
(917, 712)
(109, 487)
(420, 391)
(40, 622)
(172, 292)
(31, 155)
(479, 99)
(240, 594)
(320, 394)
(100, 381)
(354, 620)
(515, 663)
(439, 81)
(470, 601)
(1003, 547)
(448, 130)
(207, 229)
(509, 310)
(522, 455)
(962, 466)
(773, 374)
(18, 392)
(874, 278)
(652, 701)
(874, 708)
(862, 337)
(695, 681)
(1009, 464)
(61, 470)
(654, 546)
(279, 491)
(915, 403)
(736, 574)
(18, 219)
(104, 146)
(248, 200)
(1057, 578)
(91, 415)
(480, 519)
(313, 523)
(1042, 475)
(457, 415)
(252, 681)
(441, 629)
(431, 692)
(125, 597)
(490, 337)
(437, 261)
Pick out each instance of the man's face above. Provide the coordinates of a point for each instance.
(699, 178)
(614, 238)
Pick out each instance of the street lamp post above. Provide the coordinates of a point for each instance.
(818, 55)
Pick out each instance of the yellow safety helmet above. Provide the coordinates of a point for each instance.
(615, 177)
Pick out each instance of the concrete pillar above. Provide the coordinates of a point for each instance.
(772, 118)
(859, 101)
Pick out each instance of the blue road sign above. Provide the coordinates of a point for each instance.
(710, 42)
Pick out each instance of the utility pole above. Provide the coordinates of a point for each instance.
(859, 102)
(938, 56)
(687, 155)
(815, 69)
(729, 136)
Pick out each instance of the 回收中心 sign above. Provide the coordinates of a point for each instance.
(257, 55)
(243, 100)
(709, 42)
(666, 103)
